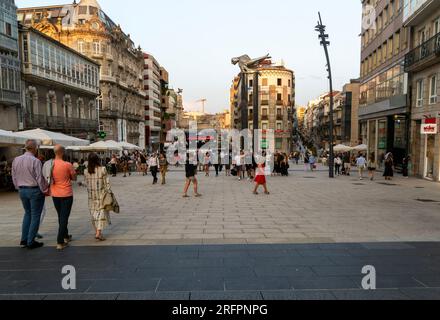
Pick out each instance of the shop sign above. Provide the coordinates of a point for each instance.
(429, 126)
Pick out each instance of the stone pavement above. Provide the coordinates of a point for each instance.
(302, 208)
(227, 272)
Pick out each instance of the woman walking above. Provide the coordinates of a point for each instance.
(113, 165)
(163, 163)
(153, 163)
(372, 166)
(260, 178)
(389, 165)
(207, 163)
(97, 181)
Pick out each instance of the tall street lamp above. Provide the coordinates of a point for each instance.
(325, 43)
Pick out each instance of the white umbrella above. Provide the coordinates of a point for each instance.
(49, 138)
(362, 147)
(129, 146)
(342, 148)
(101, 146)
(9, 138)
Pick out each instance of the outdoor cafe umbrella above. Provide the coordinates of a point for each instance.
(342, 148)
(10, 139)
(49, 138)
(362, 147)
(129, 146)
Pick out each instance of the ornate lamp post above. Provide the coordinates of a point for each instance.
(325, 43)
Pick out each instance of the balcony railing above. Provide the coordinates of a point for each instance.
(32, 121)
(426, 52)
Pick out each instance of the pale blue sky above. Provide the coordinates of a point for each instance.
(195, 40)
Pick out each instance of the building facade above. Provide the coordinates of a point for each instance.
(384, 111)
(423, 65)
(60, 86)
(10, 84)
(350, 115)
(153, 99)
(86, 28)
(276, 103)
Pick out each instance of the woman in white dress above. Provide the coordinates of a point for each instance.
(97, 181)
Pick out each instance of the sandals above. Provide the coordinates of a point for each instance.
(197, 195)
(101, 238)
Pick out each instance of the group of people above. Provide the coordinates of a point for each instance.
(139, 162)
(36, 181)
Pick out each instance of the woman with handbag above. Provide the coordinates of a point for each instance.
(101, 198)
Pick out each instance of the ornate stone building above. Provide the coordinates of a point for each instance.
(86, 28)
(60, 86)
(9, 67)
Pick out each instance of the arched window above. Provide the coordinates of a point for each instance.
(51, 104)
(80, 108)
(67, 106)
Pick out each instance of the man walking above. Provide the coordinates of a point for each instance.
(62, 194)
(32, 186)
(361, 164)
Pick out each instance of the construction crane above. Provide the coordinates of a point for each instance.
(203, 101)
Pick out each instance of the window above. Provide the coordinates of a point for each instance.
(279, 126)
(437, 26)
(8, 29)
(279, 82)
(278, 111)
(279, 97)
(264, 112)
(433, 90)
(264, 126)
(96, 47)
(81, 46)
(265, 82)
(419, 93)
(251, 83)
(289, 83)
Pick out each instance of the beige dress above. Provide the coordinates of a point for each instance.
(97, 184)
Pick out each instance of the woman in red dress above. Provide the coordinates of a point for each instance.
(260, 178)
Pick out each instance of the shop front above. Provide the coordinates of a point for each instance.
(387, 134)
(425, 155)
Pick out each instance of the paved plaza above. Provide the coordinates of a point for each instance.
(302, 208)
(309, 239)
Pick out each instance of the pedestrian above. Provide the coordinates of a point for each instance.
(32, 186)
(163, 163)
(143, 160)
(338, 164)
(191, 173)
(312, 162)
(207, 163)
(389, 166)
(113, 165)
(98, 185)
(306, 162)
(238, 161)
(372, 166)
(153, 163)
(228, 165)
(347, 163)
(260, 176)
(405, 166)
(361, 165)
(62, 173)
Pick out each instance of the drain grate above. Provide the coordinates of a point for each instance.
(427, 201)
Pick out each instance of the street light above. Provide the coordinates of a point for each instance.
(325, 43)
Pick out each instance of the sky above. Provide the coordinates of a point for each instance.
(196, 39)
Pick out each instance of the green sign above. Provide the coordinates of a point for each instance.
(264, 144)
(102, 134)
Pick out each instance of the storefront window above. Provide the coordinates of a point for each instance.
(382, 139)
(400, 125)
(430, 147)
(372, 137)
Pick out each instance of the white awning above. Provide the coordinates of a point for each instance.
(49, 138)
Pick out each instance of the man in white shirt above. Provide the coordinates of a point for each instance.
(361, 163)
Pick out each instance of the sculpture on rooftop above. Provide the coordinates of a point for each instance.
(247, 64)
